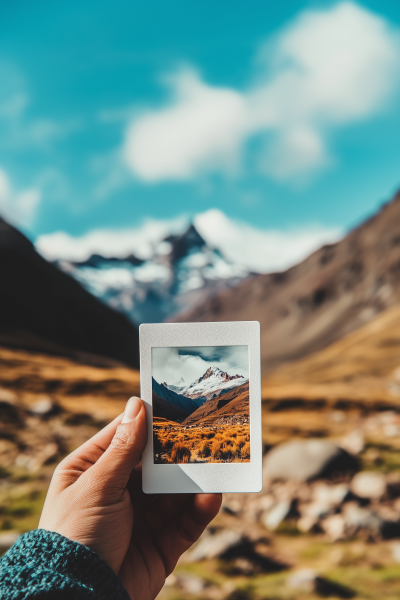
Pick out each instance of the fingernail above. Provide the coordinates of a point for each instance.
(132, 409)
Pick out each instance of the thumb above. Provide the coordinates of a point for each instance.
(125, 450)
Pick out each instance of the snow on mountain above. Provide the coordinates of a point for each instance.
(214, 380)
(176, 387)
(182, 271)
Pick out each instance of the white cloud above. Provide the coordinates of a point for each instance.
(256, 249)
(140, 241)
(169, 365)
(261, 250)
(19, 208)
(328, 68)
(202, 129)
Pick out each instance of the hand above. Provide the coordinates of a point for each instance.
(96, 499)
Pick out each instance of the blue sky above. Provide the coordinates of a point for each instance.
(105, 113)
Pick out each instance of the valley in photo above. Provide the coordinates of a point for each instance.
(201, 409)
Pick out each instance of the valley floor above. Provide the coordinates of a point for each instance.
(203, 443)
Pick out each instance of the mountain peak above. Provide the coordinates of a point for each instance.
(184, 243)
(217, 372)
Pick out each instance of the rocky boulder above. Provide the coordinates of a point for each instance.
(369, 484)
(304, 460)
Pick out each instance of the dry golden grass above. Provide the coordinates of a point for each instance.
(362, 368)
(176, 444)
(100, 392)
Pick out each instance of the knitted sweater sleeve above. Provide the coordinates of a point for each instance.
(43, 564)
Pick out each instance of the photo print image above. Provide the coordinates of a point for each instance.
(201, 408)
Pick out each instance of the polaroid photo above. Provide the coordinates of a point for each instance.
(201, 385)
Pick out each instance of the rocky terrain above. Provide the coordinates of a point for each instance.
(49, 406)
(327, 521)
(333, 292)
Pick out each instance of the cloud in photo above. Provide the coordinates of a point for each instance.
(328, 68)
(170, 364)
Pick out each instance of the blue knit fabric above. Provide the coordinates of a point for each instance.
(43, 564)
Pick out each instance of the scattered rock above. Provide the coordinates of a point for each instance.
(308, 581)
(353, 443)
(368, 484)
(272, 518)
(302, 580)
(213, 545)
(246, 557)
(44, 407)
(331, 495)
(334, 527)
(306, 524)
(191, 584)
(303, 460)
(33, 462)
(326, 498)
(396, 552)
(25, 461)
(357, 518)
(8, 538)
(338, 416)
(391, 430)
(231, 506)
(8, 396)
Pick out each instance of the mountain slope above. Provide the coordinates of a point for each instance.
(333, 292)
(181, 402)
(166, 410)
(364, 366)
(45, 310)
(229, 406)
(182, 270)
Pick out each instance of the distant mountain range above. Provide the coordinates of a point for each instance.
(334, 291)
(183, 271)
(45, 310)
(212, 382)
(212, 386)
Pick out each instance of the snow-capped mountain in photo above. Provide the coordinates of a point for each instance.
(181, 271)
(212, 383)
(176, 387)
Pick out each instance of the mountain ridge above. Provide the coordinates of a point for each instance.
(183, 270)
(334, 291)
(43, 309)
(190, 403)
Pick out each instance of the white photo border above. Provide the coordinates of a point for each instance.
(202, 477)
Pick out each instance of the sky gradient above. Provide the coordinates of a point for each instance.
(283, 117)
(171, 364)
